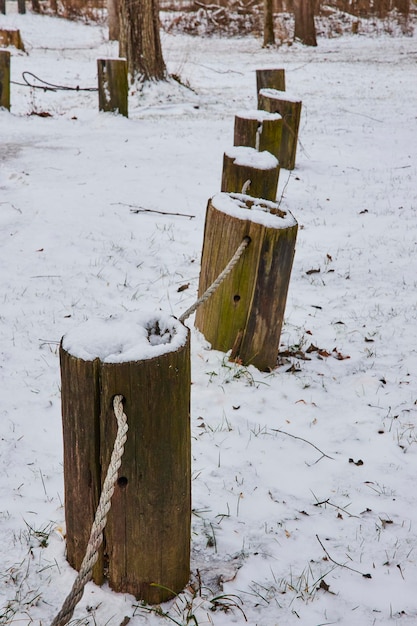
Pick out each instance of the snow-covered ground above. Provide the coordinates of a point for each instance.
(304, 497)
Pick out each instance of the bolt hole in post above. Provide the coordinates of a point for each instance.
(236, 298)
(122, 482)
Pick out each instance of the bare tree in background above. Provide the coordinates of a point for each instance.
(305, 29)
(139, 40)
(269, 36)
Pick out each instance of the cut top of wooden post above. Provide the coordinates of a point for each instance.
(256, 210)
(122, 340)
(249, 157)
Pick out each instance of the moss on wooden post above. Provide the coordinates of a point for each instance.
(289, 108)
(113, 85)
(260, 130)
(5, 79)
(146, 548)
(270, 79)
(245, 314)
(255, 173)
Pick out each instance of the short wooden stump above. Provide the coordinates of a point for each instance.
(260, 130)
(246, 312)
(289, 108)
(249, 171)
(146, 548)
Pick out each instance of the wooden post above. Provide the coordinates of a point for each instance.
(21, 7)
(270, 79)
(146, 548)
(260, 130)
(5, 79)
(3, 7)
(112, 85)
(249, 171)
(11, 37)
(290, 110)
(245, 314)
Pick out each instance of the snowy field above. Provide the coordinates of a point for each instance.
(304, 479)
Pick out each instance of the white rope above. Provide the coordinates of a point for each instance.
(209, 292)
(96, 535)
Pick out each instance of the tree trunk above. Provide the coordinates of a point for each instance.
(139, 40)
(246, 312)
(305, 29)
(5, 79)
(146, 547)
(113, 19)
(245, 170)
(269, 36)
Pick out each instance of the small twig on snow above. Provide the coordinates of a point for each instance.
(277, 430)
(140, 209)
(341, 564)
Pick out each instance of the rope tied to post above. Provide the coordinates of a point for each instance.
(209, 292)
(100, 520)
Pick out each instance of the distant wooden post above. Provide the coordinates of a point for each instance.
(3, 7)
(246, 312)
(270, 79)
(5, 79)
(11, 37)
(249, 171)
(21, 7)
(146, 548)
(112, 85)
(290, 110)
(260, 130)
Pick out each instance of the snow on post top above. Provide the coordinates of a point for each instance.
(127, 338)
(249, 157)
(279, 95)
(256, 210)
(259, 115)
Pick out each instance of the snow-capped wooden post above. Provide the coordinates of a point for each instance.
(289, 108)
(270, 79)
(249, 171)
(5, 79)
(246, 312)
(113, 85)
(146, 548)
(258, 129)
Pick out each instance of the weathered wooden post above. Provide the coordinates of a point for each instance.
(21, 7)
(290, 110)
(146, 548)
(112, 85)
(5, 79)
(11, 37)
(270, 79)
(246, 312)
(255, 173)
(260, 130)
(3, 7)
